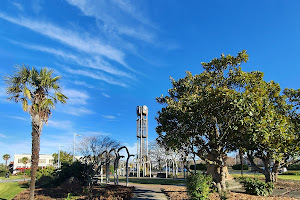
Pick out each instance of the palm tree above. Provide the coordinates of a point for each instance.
(6, 157)
(38, 91)
(24, 161)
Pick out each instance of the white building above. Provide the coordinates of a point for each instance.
(44, 161)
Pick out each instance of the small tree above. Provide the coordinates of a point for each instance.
(24, 161)
(65, 158)
(94, 145)
(6, 157)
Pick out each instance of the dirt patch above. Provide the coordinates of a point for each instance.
(180, 193)
(108, 192)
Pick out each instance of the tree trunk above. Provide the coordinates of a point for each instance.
(242, 162)
(219, 174)
(275, 171)
(36, 133)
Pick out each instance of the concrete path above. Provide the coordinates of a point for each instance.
(147, 191)
(13, 180)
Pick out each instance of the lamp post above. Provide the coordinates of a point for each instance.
(74, 146)
(59, 155)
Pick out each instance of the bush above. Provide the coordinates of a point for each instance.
(3, 170)
(199, 186)
(45, 177)
(239, 167)
(200, 166)
(28, 172)
(256, 187)
(294, 167)
(76, 170)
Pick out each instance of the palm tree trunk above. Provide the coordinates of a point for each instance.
(36, 133)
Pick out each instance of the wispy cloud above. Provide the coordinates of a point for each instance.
(76, 111)
(93, 133)
(76, 97)
(17, 5)
(20, 118)
(109, 117)
(118, 17)
(60, 124)
(93, 62)
(82, 83)
(2, 135)
(106, 95)
(81, 42)
(97, 76)
(3, 92)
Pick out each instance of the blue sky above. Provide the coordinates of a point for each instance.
(115, 55)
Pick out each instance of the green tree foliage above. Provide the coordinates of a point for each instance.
(225, 109)
(269, 127)
(65, 158)
(6, 157)
(201, 111)
(38, 91)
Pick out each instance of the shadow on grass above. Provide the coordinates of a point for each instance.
(155, 181)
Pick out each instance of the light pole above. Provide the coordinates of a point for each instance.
(74, 146)
(59, 155)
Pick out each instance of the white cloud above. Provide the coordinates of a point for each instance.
(81, 42)
(97, 76)
(76, 97)
(93, 62)
(2, 135)
(92, 133)
(17, 5)
(20, 118)
(106, 95)
(82, 83)
(3, 92)
(76, 111)
(131, 148)
(60, 124)
(118, 17)
(109, 117)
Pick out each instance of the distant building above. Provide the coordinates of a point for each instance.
(44, 161)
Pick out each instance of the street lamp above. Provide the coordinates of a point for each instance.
(59, 155)
(74, 146)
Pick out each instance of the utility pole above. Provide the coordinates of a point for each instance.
(59, 155)
(74, 146)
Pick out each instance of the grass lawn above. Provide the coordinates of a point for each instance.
(9, 190)
(156, 181)
(261, 176)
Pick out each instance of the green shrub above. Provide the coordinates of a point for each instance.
(76, 170)
(28, 172)
(200, 166)
(256, 187)
(199, 186)
(3, 170)
(239, 167)
(46, 176)
(294, 167)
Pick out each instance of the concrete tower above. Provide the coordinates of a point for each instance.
(142, 134)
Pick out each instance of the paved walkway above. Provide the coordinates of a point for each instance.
(13, 180)
(147, 191)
